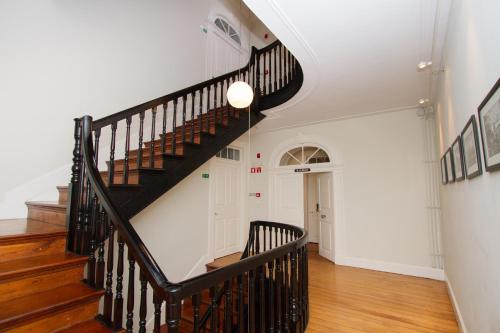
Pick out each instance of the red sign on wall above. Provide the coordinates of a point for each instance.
(256, 170)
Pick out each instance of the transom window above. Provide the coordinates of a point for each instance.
(304, 155)
(227, 29)
(229, 154)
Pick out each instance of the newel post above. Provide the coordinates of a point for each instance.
(74, 186)
(173, 308)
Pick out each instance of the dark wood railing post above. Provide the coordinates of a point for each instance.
(173, 309)
(74, 187)
(130, 294)
(118, 307)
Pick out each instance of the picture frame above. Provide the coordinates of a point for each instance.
(458, 159)
(444, 173)
(449, 166)
(471, 152)
(489, 123)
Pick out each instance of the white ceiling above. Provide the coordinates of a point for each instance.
(358, 56)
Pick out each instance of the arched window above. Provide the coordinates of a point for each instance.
(227, 29)
(304, 155)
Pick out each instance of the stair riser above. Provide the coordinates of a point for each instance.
(63, 195)
(48, 214)
(59, 320)
(133, 178)
(31, 248)
(23, 286)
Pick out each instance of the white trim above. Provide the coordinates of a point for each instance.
(198, 268)
(391, 267)
(460, 320)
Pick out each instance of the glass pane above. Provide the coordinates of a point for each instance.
(231, 31)
(236, 38)
(236, 155)
(218, 23)
(309, 152)
(218, 154)
(230, 153)
(223, 153)
(319, 156)
(226, 26)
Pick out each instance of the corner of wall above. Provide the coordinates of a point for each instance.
(460, 320)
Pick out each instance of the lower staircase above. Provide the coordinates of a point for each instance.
(41, 288)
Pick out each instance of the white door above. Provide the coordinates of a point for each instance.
(287, 198)
(223, 54)
(227, 206)
(324, 181)
(312, 207)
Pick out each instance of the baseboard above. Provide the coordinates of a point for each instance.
(460, 320)
(390, 267)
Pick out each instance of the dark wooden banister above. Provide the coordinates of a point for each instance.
(134, 242)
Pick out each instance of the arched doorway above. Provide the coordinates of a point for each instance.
(301, 192)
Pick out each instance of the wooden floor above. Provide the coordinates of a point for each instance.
(346, 299)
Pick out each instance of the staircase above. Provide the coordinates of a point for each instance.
(62, 269)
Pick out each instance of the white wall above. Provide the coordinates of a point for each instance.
(65, 59)
(383, 179)
(471, 209)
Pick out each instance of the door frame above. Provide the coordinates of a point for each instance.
(338, 224)
(211, 201)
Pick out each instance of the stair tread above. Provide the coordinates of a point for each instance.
(38, 304)
(93, 326)
(225, 261)
(30, 265)
(53, 204)
(28, 228)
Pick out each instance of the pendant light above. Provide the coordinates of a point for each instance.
(239, 93)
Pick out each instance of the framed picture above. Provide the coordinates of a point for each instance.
(489, 121)
(458, 159)
(448, 156)
(472, 155)
(444, 174)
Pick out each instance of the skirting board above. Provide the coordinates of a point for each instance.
(456, 308)
(390, 267)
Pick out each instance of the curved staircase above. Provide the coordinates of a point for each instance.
(63, 268)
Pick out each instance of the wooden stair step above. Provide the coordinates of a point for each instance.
(133, 175)
(63, 194)
(89, 326)
(224, 261)
(23, 276)
(21, 238)
(44, 311)
(50, 212)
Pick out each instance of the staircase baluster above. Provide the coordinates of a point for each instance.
(153, 136)
(127, 151)
(270, 267)
(280, 46)
(164, 128)
(224, 98)
(74, 187)
(111, 173)
(228, 306)
(262, 298)
(208, 110)
(264, 227)
(214, 322)
(257, 238)
(130, 293)
(269, 84)
(118, 307)
(240, 299)
(81, 212)
(193, 97)
(275, 51)
(99, 284)
(200, 112)
(285, 63)
(293, 291)
(299, 289)
(279, 281)
(91, 264)
(141, 134)
(291, 66)
(183, 130)
(195, 300)
(306, 282)
(108, 293)
(251, 301)
(86, 218)
(157, 301)
(286, 296)
(174, 128)
(143, 310)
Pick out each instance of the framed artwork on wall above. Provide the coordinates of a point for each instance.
(458, 159)
(472, 155)
(449, 166)
(444, 175)
(489, 122)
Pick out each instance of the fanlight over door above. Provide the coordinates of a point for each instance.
(304, 155)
